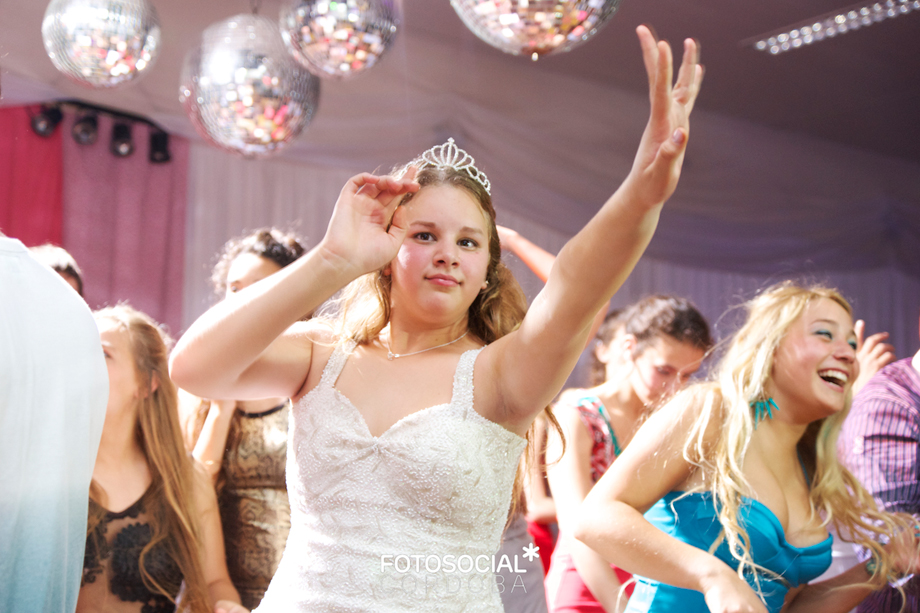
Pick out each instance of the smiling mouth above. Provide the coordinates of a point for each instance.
(835, 377)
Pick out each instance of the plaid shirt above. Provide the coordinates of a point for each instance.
(880, 444)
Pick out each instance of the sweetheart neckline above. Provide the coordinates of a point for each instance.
(771, 517)
(328, 380)
(346, 400)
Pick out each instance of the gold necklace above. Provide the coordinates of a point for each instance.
(392, 356)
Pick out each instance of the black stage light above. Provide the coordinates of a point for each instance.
(86, 129)
(47, 120)
(159, 147)
(122, 145)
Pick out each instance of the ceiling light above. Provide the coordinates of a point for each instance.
(86, 129)
(122, 145)
(46, 120)
(830, 25)
(159, 147)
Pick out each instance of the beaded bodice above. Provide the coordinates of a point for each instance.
(407, 521)
(254, 508)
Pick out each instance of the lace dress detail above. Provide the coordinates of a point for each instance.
(407, 521)
(112, 579)
(254, 508)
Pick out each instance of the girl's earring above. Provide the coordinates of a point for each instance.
(763, 410)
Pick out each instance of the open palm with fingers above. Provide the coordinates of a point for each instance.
(656, 168)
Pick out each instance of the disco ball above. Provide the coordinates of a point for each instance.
(101, 43)
(243, 91)
(338, 40)
(535, 27)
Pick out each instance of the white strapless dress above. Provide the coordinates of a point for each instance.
(407, 521)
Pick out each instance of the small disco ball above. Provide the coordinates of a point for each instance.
(535, 27)
(101, 43)
(339, 39)
(243, 91)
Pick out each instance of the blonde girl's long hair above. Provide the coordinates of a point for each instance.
(725, 409)
(171, 495)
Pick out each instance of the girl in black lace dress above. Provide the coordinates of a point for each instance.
(154, 536)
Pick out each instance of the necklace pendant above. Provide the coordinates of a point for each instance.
(391, 355)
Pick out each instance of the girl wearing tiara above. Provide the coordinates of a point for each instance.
(396, 507)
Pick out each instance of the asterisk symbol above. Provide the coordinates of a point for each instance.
(530, 552)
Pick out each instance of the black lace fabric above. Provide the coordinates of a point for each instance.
(112, 579)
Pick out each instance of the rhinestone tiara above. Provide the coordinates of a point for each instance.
(449, 155)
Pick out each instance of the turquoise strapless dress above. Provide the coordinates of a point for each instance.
(691, 518)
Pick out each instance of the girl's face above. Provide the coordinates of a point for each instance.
(815, 363)
(662, 368)
(442, 264)
(124, 386)
(246, 269)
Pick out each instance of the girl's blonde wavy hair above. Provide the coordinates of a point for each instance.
(726, 409)
(174, 518)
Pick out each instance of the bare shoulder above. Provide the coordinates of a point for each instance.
(319, 331)
(692, 421)
(322, 339)
(567, 412)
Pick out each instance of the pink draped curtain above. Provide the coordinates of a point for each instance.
(124, 221)
(30, 179)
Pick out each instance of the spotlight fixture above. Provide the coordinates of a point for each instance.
(159, 147)
(46, 120)
(830, 25)
(122, 145)
(86, 129)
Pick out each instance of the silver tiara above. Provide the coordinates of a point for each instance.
(449, 155)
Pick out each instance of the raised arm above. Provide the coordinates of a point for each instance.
(249, 346)
(611, 518)
(533, 362)
(540, 262)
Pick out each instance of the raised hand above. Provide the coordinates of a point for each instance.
(872, 354)
(656, 168)
(367, 227)
(506, 236)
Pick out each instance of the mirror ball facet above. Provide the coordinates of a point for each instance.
(339, 39)
(101, 43)
(535, 27)
(243, 91)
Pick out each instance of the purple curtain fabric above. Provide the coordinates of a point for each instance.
(124, 221)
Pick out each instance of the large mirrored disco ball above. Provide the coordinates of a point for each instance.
(339, 39)
(101, 43)
(535, 27)
(243, 91)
